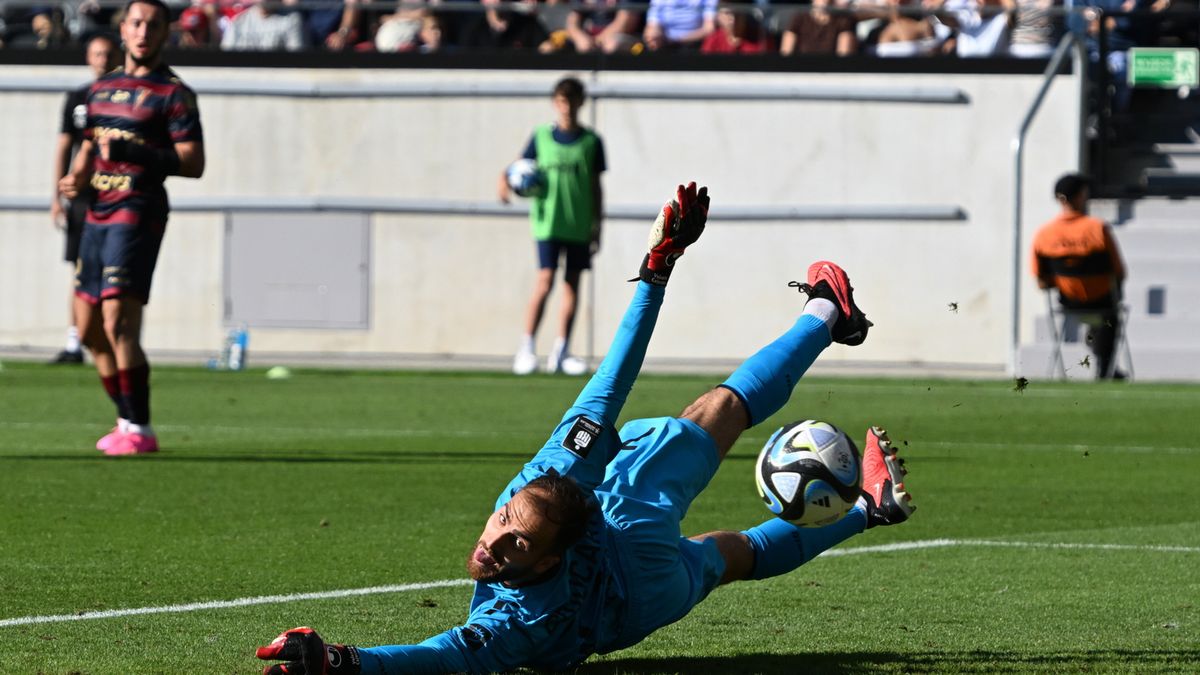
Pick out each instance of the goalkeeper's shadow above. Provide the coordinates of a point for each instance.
(989, 661)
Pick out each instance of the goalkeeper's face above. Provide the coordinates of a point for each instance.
(517, 544)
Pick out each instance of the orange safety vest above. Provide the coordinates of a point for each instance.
(1077, 254)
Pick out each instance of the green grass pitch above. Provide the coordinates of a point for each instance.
(1057, 529)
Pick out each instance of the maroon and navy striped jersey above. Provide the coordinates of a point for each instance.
(156, 110)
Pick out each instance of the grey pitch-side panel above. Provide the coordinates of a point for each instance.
(298, 270)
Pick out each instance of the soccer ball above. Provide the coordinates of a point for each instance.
(525, 178)
(809, 473)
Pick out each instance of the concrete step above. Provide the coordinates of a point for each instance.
(1176, 148)
(1170, 181)
(1145, 242)
(1143, 332)
(1185, 162)
(1162, 302)
(1180, 156)
(1149, 363)
(1149, 211)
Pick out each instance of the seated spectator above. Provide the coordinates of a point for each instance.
(820, 31)
(83, 19)
(430, 39)
(1078, 255)
(981, 26)
(679, 24)
(906, 34)
(552, 14)
(398, 31)
(410, 29)
(504, 26)
(1119, 32)
(738, 32)
(194, 28)
(48, 31)
(1035, 29)
(260, 28)
(335, 27)
(604, 28)
(33, 28)
(221, 13)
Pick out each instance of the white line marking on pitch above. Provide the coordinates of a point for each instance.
(939, 543)
(240, 602)
(749, 439)
(446, 583)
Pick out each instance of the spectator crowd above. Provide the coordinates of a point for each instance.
(906, 28)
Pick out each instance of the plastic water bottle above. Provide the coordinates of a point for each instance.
(239, 341)
(222, 360)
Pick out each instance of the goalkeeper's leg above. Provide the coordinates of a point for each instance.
(763, 383)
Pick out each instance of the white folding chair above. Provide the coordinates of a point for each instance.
(1064, 325)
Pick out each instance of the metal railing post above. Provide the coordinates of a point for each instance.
(1018, 147)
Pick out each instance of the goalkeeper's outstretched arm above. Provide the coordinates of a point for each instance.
(585, 440)
(679, 224)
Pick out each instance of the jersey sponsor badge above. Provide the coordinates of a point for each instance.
(475, 636)
(583, 434)
(79, 116)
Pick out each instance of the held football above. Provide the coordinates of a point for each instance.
(525, 179)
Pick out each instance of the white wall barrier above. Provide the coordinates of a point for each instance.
(904, 179)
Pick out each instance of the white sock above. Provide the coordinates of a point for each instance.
(122, 425)
(72, 339)
(559, 351)
(526, 344)
(824, 310)
(140, 429)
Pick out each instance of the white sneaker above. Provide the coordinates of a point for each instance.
(573, 365)
(525, 363)
(568, 365)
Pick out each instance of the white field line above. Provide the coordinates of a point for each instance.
(240, 602)
(939, 543)
(285, 431)
(333, 432)
(445, 583)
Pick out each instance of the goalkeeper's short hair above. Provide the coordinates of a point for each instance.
(563, 502)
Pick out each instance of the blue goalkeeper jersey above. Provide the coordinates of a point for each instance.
(560, 621)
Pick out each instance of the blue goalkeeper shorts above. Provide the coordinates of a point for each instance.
(663, 465)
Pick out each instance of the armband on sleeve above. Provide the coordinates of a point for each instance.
(164, 161)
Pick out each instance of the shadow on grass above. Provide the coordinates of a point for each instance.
(300, 457)
(1099, 660)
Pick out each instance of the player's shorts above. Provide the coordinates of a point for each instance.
(117, 260)
(579, 256)
(76, 213)
(646, 492)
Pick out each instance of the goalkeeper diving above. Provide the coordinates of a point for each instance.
(583, 554)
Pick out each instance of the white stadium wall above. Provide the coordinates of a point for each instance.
(455, 285)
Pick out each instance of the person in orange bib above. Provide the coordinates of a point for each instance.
(1077, 254)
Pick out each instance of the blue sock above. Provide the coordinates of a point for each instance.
(780, 547)
(764, 381)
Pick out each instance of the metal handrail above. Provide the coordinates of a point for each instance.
(947, 213)
(1018, 147)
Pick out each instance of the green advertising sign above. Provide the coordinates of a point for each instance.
(1168, 68)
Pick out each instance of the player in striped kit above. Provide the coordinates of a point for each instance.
(142, 126)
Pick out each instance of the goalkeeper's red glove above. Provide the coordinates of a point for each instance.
(306, 653)
(678, 226)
